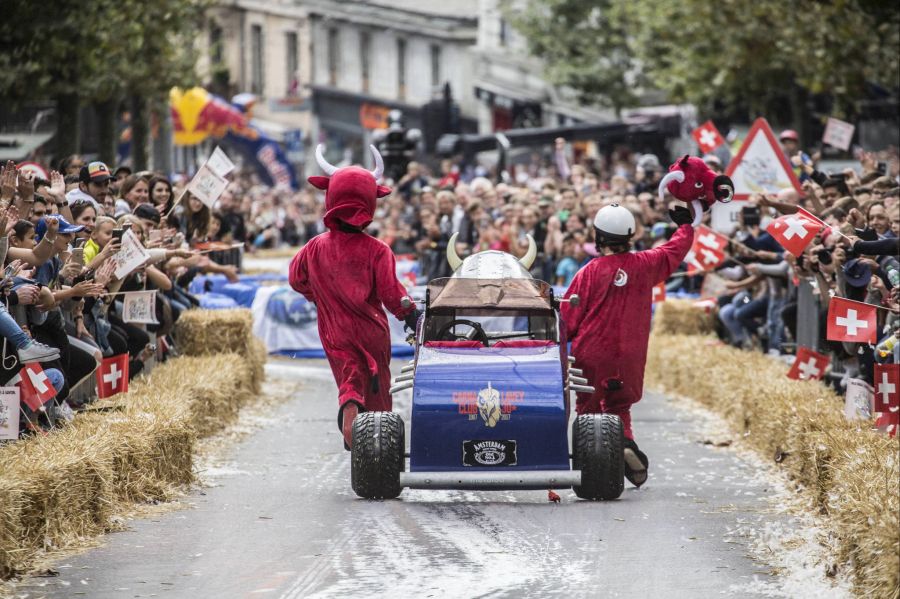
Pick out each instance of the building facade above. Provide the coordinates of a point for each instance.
(371, 57)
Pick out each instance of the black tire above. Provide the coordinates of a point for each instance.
(597, 450)
(377, 458)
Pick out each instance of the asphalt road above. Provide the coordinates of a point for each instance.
(281, 521)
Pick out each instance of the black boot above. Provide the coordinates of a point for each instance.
(636, 463)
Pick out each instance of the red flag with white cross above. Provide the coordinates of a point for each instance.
(708, 250)
(851, 321)
(705, 237)
(35, 387)
(659, 293)
(808, 365)
(887, 388)
(795, 231)
(707, 137)
(112, 376)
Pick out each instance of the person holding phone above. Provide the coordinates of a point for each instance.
(102, 243)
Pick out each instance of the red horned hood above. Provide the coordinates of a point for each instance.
(350, 192)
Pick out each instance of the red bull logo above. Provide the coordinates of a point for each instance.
(197, 115)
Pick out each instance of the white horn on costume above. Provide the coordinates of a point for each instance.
(528, 259)
(672, 176)
(452, 256)
(327, 168)
(730, 195)
(698, 212)
(379, 163)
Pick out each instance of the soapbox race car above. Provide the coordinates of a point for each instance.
(490, 384)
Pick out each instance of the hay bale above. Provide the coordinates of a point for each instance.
(205, 332)
(209, 332)
(56, 489)
(681, 317)
(851, 473)
(863, 501)
(12, 502)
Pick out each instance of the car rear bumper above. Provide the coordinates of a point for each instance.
(493, 480)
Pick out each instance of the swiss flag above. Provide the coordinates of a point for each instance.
(701, 258)
(795, 231)
(851, 321)
(35, 387)
(888, 422)
(112, 376)
(705, 237)
(808, 365)
(887, 388)
(708, 250)
(707, 137)
(659, 293)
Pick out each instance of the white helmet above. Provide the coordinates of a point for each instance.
(614, 225)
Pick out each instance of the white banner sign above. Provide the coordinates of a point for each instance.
(140, 306)
(9, 413)
(220, 163)
(131, 256)
(207, 185)
(859, 400)
(838, 133)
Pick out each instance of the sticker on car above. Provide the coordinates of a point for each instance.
(489, 453)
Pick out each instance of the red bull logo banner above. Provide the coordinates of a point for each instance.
(198, 115)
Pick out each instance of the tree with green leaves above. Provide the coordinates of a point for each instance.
(584, 46)
(98, 52)
(731, 56)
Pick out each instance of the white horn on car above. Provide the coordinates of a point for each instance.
(326, 167)
(672, 176)
(452, 256)
(528, 259)
(379, 163)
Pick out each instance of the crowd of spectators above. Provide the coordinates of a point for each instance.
(63, 235)
(62, 301)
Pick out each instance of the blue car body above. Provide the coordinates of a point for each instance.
(489, 408)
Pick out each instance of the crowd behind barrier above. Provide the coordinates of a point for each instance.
(67, 299)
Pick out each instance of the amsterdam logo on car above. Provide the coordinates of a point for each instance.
(489, 453)
(492, 405)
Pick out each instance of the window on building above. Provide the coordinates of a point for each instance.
(435, 65)
(365, 50)
(257, 77)
(292, 62)
(215, 44)
(401, 69)
(504, 33)
(334, 56)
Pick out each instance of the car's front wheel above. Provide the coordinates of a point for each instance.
(597, 450)
(377, 458)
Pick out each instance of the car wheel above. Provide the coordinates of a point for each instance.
(597, 441)
(377, 458)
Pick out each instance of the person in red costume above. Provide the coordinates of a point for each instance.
(349, 275)
(610, 327)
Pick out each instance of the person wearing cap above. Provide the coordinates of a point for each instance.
(93, 184)
(610, 327)
(790, 145)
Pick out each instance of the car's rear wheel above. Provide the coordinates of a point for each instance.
(377, 458)
(597, 451)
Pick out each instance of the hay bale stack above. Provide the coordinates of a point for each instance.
(681, 317)
(57, 488)
(850, 472)
(205, 332)
(12, 502)
(864, 503)
(210, 332)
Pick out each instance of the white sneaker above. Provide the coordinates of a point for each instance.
(38, 352)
